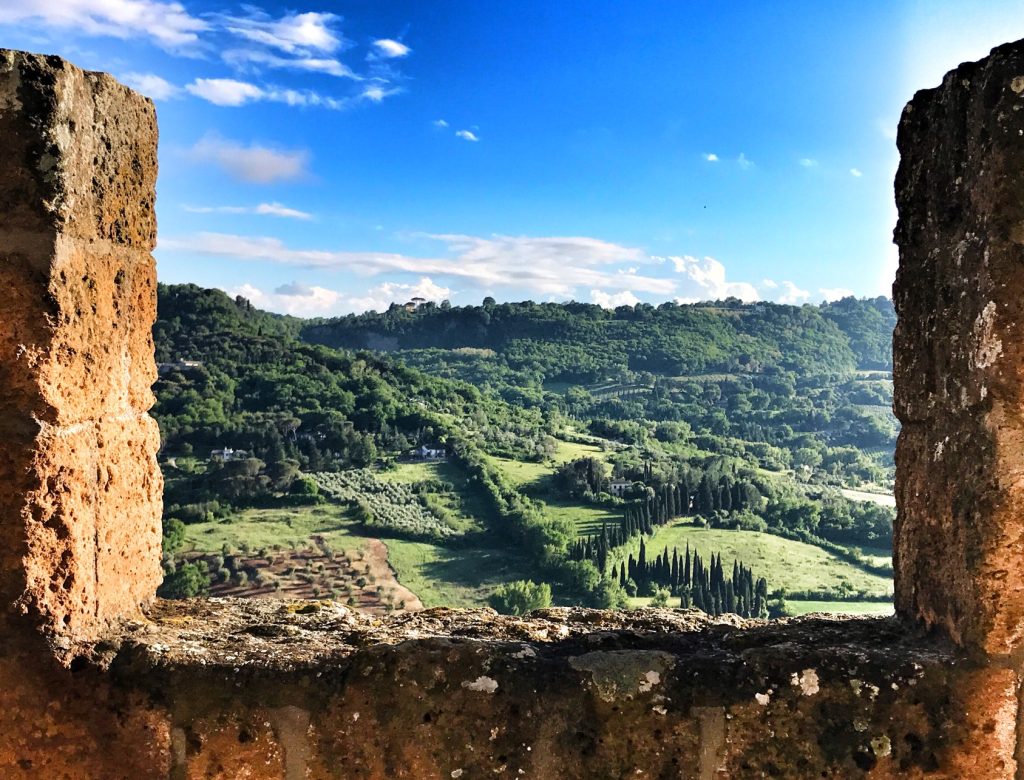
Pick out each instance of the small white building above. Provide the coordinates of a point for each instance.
(178, 365)
(429, 453)
(227, 454)
(618, 487)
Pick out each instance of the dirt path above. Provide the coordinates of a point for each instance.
(377, 554)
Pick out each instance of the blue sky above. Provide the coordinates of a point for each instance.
(336, 156)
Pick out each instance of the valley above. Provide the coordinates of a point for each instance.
(466, 460)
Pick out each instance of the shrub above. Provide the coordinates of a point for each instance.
(520, 597)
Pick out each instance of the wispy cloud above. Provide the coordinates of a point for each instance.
(545, 266)
(250, 42)
(253, 162)
(263, 209)
(744, 162)
(254, 59)
(378, 92)
(292, 33)
(169, 25)
(711, 157)
(151, 85)
(302, 300)
(386, 47)
(807, 162)
(225, 92)
(834, 293)
(856, 173)
(467, 135)
(440, 123)
(233, 93)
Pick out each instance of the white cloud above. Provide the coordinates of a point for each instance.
(386, 47)
(612, 300)
(834, 293)
(711, 157)
(252, 163)
(467, 135)
(743, 162)
(379, 298)
(168, 24)
(262, 209)
(856, 173)
(791, 294)
(378, 92)
(543, 266)
(440, 123)
(296, 299)
(301, 300)
(247, 58)
(233, 93)
(704, 279)
(300, 34)
(151, 85)
(807, 162)
(225, 92)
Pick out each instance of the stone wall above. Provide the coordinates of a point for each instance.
(959, 355)
(99, 680)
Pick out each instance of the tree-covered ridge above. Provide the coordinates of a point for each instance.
(585, 343)
(248, 383)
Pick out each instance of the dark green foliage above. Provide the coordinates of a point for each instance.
(520, 597)
(185, 582)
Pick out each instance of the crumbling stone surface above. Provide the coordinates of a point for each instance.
(959, 354)
(235, 688)
(570, 693)
(80, 509)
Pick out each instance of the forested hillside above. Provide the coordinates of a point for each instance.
(557, 436)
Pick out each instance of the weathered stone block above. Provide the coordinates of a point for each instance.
(89, 515)
(76, 330)
(959, 354)
(80, 499)
(79, 153)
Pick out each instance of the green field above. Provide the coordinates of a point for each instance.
(439, 576)
(588, 519)
(469, 507)
(447, 577)
(794, 566)
(840, 607)
(803, 607)
(876, 556)
(256, 528)
(530, 475)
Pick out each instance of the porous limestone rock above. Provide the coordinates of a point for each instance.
(80, 505)
(959, 355)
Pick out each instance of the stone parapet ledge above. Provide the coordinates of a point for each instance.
(295, 690)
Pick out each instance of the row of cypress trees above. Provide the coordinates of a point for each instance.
(694, 581)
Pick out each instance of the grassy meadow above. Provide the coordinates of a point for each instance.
(790, 565)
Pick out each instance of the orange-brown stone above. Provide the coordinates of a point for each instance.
(80, 509)
(959, 355)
